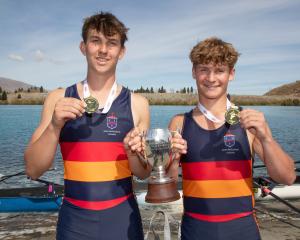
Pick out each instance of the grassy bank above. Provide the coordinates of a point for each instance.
(170, 99)
(192, 99)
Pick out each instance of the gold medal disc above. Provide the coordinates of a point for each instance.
(91, 104)
(232, 115)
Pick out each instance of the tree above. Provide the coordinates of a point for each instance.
(151, 90)
(192, 90)
(41, 89)
(19, 96)
(4, 96)
(188, 90)
(0, 89)
(28, 90)
(162, 90)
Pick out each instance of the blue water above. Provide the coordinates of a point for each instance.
(17, 124)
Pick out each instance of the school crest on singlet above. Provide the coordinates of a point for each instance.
(229, 140)
(111, 121)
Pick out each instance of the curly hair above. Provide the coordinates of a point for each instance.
(214, 50)
(106, 23)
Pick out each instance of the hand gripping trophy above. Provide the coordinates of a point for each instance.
(158, 154)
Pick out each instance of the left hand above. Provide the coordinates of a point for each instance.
(255, 122)
(178, 145)
(133, 140)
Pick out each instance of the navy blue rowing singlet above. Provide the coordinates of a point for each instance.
(217, 183)
(99, 201)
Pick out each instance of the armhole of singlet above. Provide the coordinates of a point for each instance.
(129, 105)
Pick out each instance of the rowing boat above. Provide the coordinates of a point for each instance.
(49, 197)
(30, 199)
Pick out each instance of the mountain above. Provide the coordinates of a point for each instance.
(291, 89)
(11, 85)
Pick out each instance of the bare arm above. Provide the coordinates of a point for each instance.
(133, 141)
(179, 145)
(40, 152)
(280, 165)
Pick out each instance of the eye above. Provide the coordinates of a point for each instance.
(220, 70)
(112, 43)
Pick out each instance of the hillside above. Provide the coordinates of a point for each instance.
(291, 89)
(11, 85)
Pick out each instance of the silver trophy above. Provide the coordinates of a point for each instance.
(158, 154)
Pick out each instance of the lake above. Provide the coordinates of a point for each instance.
(17, 123)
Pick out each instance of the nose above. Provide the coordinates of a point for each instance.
(211, 76)
(103, 48)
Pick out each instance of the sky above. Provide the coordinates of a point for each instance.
(39, 41)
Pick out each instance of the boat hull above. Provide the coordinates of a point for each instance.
(30, 204)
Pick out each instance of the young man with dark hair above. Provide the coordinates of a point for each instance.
(89, 121)
(221, 142)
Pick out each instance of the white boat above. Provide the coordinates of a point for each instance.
(282, 191)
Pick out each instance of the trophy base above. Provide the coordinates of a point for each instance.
(162, 193)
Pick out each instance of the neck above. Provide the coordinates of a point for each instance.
(215, 106)
(99, 83)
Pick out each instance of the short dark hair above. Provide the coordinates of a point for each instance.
(214, 50)
(105, 23)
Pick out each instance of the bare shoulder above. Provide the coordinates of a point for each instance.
(56, 94)
(138, 99)
(140, 111)
(176, 122)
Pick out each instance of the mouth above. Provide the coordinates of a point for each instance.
(101, 60)
(211, 87)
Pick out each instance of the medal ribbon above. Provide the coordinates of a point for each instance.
(109, 100)
(209, 115)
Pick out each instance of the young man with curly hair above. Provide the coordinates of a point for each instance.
(217, 168)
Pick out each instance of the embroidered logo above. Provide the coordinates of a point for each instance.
(229, 140)
(112, 121)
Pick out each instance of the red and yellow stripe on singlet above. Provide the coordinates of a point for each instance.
(97, 174)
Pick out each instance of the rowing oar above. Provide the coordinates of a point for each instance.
(267, 191)
(262, 166)
(45, 182)
(3, 178)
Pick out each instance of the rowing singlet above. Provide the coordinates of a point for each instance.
(217, 183)
(97, 178)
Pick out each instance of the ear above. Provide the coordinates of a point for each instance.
(82, 48)
(194, 72)
(122, 52)
(231, 74)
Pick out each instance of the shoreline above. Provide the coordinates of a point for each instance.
(179, 99)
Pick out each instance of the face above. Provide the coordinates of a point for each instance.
(102, 53)
(212, 80)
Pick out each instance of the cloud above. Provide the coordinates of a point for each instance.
(15, 57)
(39, 56)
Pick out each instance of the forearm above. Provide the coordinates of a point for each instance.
(137, 167)
(39, 155)
(280, 165)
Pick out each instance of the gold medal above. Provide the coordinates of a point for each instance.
(232, 115)
(91, 104)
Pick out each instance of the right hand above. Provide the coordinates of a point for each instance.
(65, 109)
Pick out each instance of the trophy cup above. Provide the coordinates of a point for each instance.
(158, 155)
